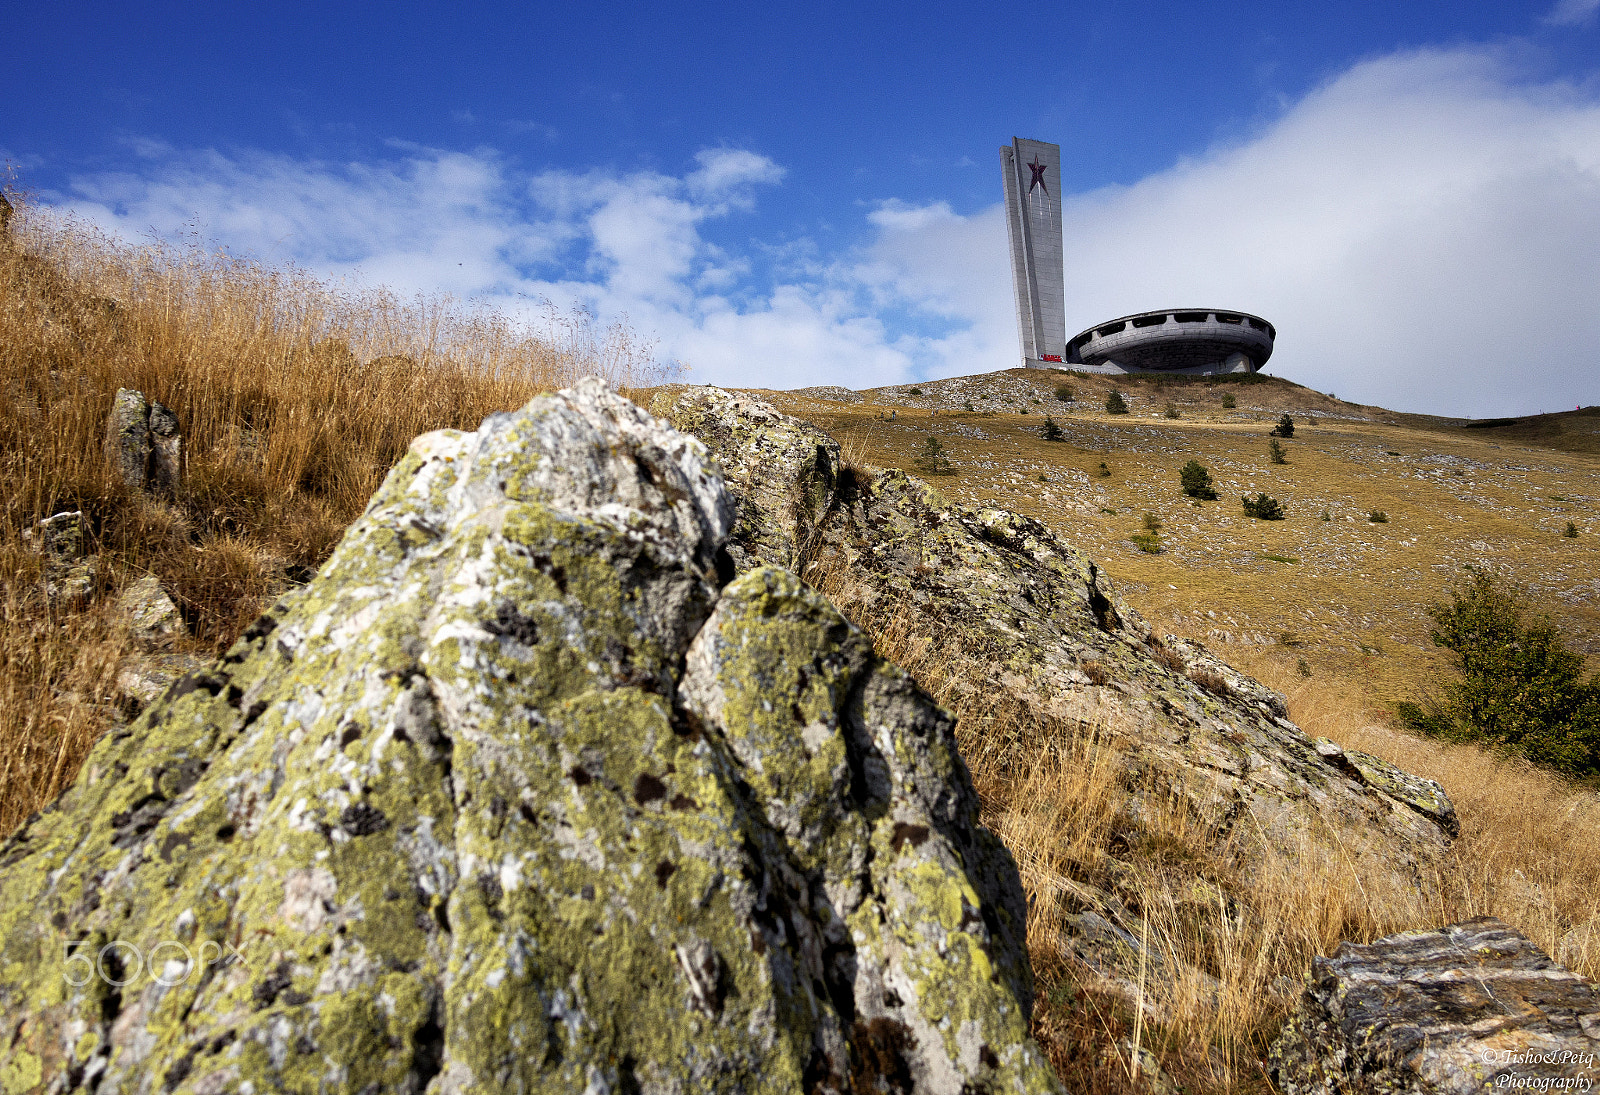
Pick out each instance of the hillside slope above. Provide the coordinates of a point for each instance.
(1325, 590)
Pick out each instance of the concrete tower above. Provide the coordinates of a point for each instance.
(1032, 171)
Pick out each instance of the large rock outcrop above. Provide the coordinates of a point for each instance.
(525, 792)
(1027, 633)
(1469, 1008)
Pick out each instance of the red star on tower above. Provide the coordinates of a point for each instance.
(1038, 174)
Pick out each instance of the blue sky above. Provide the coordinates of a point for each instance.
(787, 194)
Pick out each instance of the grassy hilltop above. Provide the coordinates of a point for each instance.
(1345, 595)
(295, 397)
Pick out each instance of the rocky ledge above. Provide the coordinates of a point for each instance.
(1470, 1008)
(526, 791)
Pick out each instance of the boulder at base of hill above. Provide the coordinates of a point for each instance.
(517, 796)
(1466, 1009)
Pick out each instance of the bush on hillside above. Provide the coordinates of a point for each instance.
(1196, 480)
(1115, 404)
(1172, 410)
(1521, 688)
(1229, 401)
(934, 459)
(1277, 452)
(1263, 507)
(1065, 393)
(1284, 428)
(1051, 431)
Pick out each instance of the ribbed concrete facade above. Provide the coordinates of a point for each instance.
(1032, 171)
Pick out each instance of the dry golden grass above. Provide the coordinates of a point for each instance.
(294, 396)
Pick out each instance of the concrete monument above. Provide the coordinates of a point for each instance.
(1196, 341)
(1032, 171)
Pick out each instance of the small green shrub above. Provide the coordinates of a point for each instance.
(1284, 428)
(1115, 404)
(1521, 688)
(1148, 542)
(1303, 667)
(968, 405)
(1065, 393)
(1277, 452)
(1571, 531)
(1051, 431)
(1172, 410)
(1378, 517)
(1229, 401)
(1104, 472)
(916, 391)
(1325, 516)
(1152, 523)
(1196, 481)
(934, 459)
(1262, 507)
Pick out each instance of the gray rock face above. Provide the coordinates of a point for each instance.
(1469, 1008)
(1028, 631)
(70, 573)
(1035, 624)
(143, 443)
(521, 793)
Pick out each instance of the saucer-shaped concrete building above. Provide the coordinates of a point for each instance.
(1193, 341)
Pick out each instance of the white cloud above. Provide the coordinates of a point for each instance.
(1423, 230)
(1570, 13)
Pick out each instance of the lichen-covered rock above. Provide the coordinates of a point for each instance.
(786, 471)
(1036, 624)
(515, 796)
(1029, 632)
(153, 620)
(70, 572)
(128, 437)
(143, 443)
(1470, 1008)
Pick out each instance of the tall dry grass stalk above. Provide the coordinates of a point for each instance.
(294, 395)
(1227, 938)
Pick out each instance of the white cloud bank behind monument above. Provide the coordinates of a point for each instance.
(1423, 230)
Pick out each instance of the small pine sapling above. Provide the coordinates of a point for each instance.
(1172, 410)
(1065, 393)
(934, 459)
(1262, 507)
(1051, 431)
(1115, 404)
(1104, 472)
(1196, 480)
(1228, 401)
(1278, 452)
(1284, 428)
